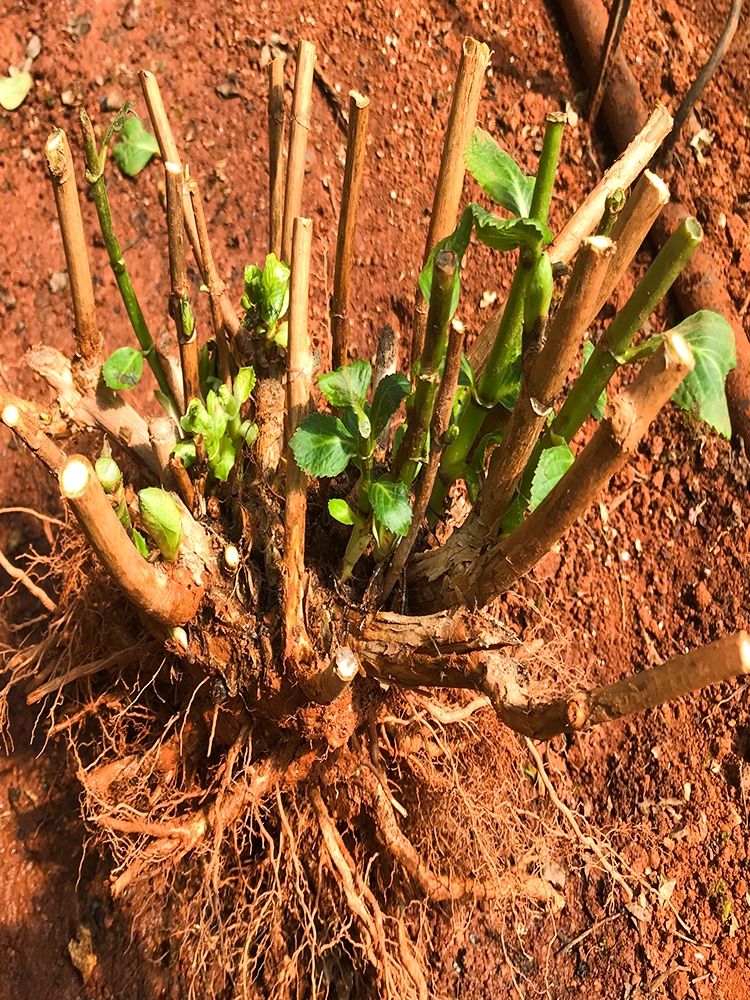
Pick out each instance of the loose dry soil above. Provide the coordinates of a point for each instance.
(662, 565)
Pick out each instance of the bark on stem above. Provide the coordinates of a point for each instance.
(14, 414)
(167, 598)
(179, 301)
(437, 651)
(544, 379)
(356, 147)
(171, 154)
(215, 285)
(617, 438)
(298, 134)
(299, 657)
(584, 221)
(718, 661)
(276, 128)
(645, 203)
(87, 333)
(462, 118)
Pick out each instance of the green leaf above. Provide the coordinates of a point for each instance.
(229, 403)
(266, 297)
(466, 375)
(553, 464)
(123, 369)
(13, 89)
(391, 390)
(185, 451)
(508, 234)
(161, 519)
(197, 419)
(243, 385)
(390, 505)
(711, 339)
(497, 174)
(458, 241)
(135, 147)
(597, 410)
(346, 388)
(140, 542)
(275, 289)
(341, 511)
(249, 432)
(322, 446)
(224, 460)
(218, 415)
(509, 386)
(513, 517)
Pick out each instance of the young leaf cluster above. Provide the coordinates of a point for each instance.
(324, 445)
(266, 299)
(219, 425)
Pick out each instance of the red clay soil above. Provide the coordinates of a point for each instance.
(661, 566)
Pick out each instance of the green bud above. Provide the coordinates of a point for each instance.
(161, 519)
(539, 293)
(108, 473)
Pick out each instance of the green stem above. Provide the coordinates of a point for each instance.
(611, 351)
(545, 175)
(95, 161)
(412, 450)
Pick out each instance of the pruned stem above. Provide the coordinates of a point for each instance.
(616, 439)
(171, 154)
(621, 174)
(298, 653)
(440, 420)
(95, 161)
(411, 452)
(276, 127)
(475, 57)
(167, 599)
(544, 379)
(356, 147)
(609, 352)
(215, 285)
(714, 663)
(630, 228)
(179, 302)
(298, 135)
(584, 221)
(14, 414)
(162, 433)
(88, 335)
(547, 170)
(386, 360)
